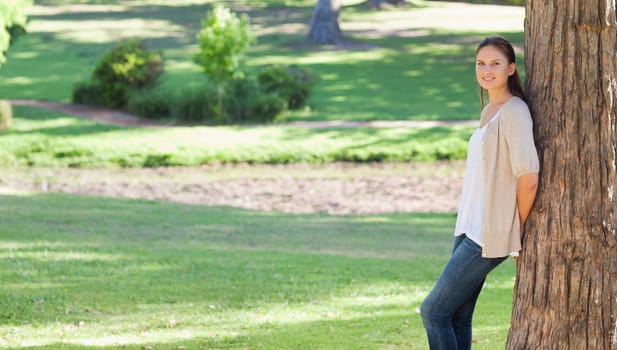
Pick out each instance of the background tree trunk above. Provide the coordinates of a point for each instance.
(379, 3)
(566, 283)
(324, 27)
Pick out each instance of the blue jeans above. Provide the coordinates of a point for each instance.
(448, 309)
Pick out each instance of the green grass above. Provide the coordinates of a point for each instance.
(414, 63)
(43, 138)
(84, 272)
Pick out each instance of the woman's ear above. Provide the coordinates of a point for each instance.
(512, 69)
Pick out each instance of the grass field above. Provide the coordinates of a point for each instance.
(85, 272)
(413, 63)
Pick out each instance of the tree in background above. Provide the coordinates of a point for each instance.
(379, 3)
(12, 15)
(222, 42)
(566, 283)
(324, 27)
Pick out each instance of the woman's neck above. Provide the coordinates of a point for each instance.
(499, 97)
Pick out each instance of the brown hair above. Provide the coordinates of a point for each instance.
(514, 81)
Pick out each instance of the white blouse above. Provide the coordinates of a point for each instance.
(471, 206)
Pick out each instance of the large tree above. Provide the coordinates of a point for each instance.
(566, 283)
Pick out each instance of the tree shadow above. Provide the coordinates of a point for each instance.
(102, 267)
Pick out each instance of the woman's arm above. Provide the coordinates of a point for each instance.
(525, 195)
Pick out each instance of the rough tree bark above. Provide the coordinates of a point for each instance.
(566, 283)
(324, 28)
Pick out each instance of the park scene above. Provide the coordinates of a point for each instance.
(166, 186)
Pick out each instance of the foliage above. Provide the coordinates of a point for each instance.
(222, 41)
(196, 105)
(265, 108)
(127, 66)
(88, 93)
(6, 115)
(245, 102)
(292, 83)
(12, 18)
(150, 103)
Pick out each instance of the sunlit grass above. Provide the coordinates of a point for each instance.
(84, 272)
(42, 138)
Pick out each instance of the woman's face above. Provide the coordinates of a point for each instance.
(493, 68)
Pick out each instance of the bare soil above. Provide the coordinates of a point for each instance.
(299, 188)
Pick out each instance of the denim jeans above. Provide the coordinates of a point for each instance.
(448, 309)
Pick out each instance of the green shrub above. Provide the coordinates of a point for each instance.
(88, 93)
(197, 105)
(238, 98)
(6, 115)
(150, 103)
(265, 108)
(127, 66)
(292, 83)
(158, 160)
(246, 102)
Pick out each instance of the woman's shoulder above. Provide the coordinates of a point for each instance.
(516, 108)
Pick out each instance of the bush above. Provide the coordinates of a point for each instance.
(6, 115)
(239, 95)
(245, 102)
(292, 83)
(127, 66)
(88, 92)
(150, 103)
(264, 108)
(197, 105)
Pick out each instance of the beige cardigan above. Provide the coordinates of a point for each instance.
(508, 151)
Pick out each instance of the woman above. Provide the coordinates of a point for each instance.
(499, 188)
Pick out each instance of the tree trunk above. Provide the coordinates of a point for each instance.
(379, 3)
(324, 27)
(566, 283)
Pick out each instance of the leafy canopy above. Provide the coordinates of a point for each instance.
(222, 42)
(12, 12)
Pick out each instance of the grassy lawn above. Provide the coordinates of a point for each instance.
(43, 138)
(414, 63)
(85, 272)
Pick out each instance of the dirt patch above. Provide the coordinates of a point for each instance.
(332, 188)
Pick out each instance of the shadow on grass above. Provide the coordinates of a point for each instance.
(96, 268)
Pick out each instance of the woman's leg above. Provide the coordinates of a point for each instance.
(459, 284)
(461, 321)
